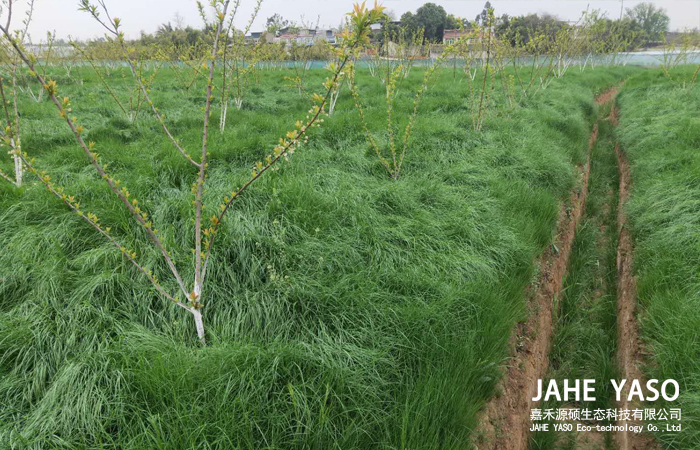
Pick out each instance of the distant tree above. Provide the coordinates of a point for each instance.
(432, 18)
(503, 18)
(654, 21)
(482, 18)
(525, 27)
(409, 21)
(388, 29)
(179, 37)
(293, 28)
(165, 30)
(276, 23)
(504, 26)
(453, 22)
(609, 31)
(146, 39)
(179, 20)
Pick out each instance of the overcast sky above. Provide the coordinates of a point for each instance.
(63, 16)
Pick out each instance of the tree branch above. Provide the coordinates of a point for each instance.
(104, 233)
(50, 89)
(203, 164)
(283, 153)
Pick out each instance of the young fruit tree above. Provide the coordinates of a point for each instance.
(392, 158)
(237, 64)
(9, 133)
(192, 292)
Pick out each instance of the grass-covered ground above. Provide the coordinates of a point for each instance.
(585, 341)
(346, 310)
(660, 131)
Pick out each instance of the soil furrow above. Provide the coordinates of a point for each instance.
(629, 346)
(505, 420)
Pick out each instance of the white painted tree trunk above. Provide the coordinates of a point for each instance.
(222, 120)
(197, 314)
(585, 63)
(372, 70)
(18, 166)
(334, 100)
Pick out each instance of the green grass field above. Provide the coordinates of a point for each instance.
(346, 310)
(660, 131)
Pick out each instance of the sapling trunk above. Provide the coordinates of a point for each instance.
(334, 99)
(18, 167)
(479, 118)
(222, 119)
(199, 324)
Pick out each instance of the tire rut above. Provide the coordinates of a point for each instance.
(505, 420)
(629, 354)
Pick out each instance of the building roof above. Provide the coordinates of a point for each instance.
(454, 34)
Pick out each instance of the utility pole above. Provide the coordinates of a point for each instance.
(622, 7)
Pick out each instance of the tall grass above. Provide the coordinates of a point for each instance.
(660, 131)
(351, 311)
